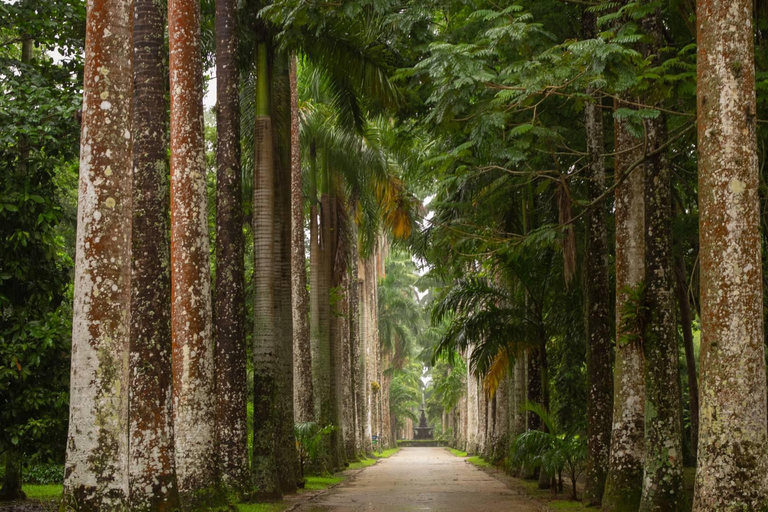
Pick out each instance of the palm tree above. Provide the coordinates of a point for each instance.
(193, 356)
(151, 467)
(550, 450)
(97, 446)
(230, 357)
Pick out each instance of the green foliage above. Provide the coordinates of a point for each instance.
(549, 450)
(310, 442)
(43, 474)
(39, 101)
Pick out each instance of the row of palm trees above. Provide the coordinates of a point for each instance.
(158, 392)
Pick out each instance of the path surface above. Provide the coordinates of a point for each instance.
(422, 479)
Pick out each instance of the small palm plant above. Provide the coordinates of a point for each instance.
(551, 451)
(309, 437)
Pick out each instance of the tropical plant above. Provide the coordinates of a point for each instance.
(550, 450)
(309, 440)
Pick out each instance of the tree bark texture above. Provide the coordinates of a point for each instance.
(663, 473)
(733, 456)
(230, 357)
(191, 327)
(302, 350)
(625, 468)
(96, 473)
(599, 375)
(152, 473)
(472, 409)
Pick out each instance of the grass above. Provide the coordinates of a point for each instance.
(457, 453)
(278, 506)
(42, 492)
(479, 462)
(318, 483)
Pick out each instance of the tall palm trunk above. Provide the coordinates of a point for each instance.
(625, 467)
(364, 378)
(193, 372)
(733, 456)
(472, 410)
(231, 399)
(520, 395)
(386, 421)
(354, 342)
(97, 444)
(599, 377)
(663, 473)
(285, 451)
(346, 321)
(152, 478)
(302, 351)
(335, 329)
(266, 356)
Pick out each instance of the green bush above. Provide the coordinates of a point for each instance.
(43, 474)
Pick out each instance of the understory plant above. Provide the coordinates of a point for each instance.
(549, 450)
(309, 440)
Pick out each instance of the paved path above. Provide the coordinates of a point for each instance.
(422, 479)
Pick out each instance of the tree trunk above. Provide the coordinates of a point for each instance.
(302, 351)
(97, 444)
(335, 329)
(624, 482)
(193, 356)
(599, 376)
(152, 476)
(348, 397)
(663, 474)
(364, 384)
(285, 449)
(230, 357)
(472, 411)
(733, 456)
(520, 395)
(686, 319)
(266, 350)
(11, 488)
(386, 421)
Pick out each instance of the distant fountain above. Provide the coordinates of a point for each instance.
(423, 431)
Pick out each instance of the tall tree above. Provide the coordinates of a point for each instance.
(599, 378)
(733, 456)
(97, 445)
(193, 352)
(625, 467)
(302, 351)
(265, 348)
(663, 468)
(230, 357)
(152, 468)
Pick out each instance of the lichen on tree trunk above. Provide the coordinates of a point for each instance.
(733, 450)
(96, 473)
(152, 478)
(625, 467)
(191, 322)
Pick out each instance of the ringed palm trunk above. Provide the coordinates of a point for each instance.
(335, 331)
(193, 372)
(266, 357)
(599, 377)
(733, 456)
(97, 443)
(624, 481)
(663, 470)
(472, 410)
(364, 378)
(302, 351)
(286, 454)
(152, 478)
(231, 399)
(386, 420)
